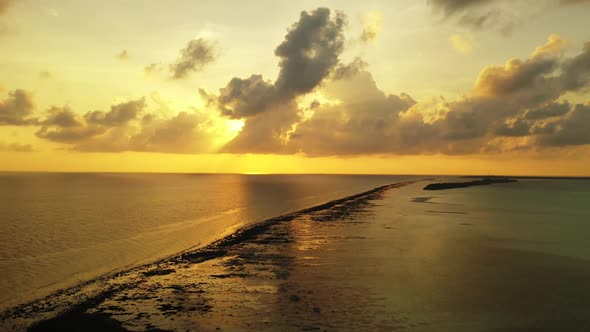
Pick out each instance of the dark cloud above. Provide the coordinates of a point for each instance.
(194, 57)
(242, 98)
(119, 114)
(477, 14)
(309, 52)
(547, 111)
(128, 127)
(452, 7)
(17, 109)
(308, 55)
(63, 125)
(576, 71)
(16, 147)
(501, 15)
(518, 128)
(570, 130)
(62, 117)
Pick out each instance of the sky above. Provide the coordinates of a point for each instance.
(369, 87)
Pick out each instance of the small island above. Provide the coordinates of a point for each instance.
(482, 182)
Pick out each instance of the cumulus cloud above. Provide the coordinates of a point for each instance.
(128, 126)
(63, 125)
(119, 114)
(242, 98)
(308, 56)
(17, 109)
(194, 57)
(514, 106)
(309, 52)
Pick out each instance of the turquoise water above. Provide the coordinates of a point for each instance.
(551, 216)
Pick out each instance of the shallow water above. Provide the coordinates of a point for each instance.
(60, 229)
(495, 258)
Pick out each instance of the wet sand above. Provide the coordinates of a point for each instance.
(383, 260)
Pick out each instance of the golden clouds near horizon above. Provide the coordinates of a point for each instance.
(315, 90)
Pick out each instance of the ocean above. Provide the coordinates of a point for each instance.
(61, 229)
(502, 257)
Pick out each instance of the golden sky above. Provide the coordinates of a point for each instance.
(405, 87)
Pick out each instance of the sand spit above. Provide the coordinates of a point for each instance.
(249, 280)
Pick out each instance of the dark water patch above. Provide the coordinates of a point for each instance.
(422, 199)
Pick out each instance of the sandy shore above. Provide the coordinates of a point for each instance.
(385, 260)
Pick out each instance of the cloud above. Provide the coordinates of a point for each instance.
(501, 15)
(128, 126)
(515, 106)
(194, 57)
(363, 122)
(16, 147)
(242, 98)
(308, 55)
(549, 110)
(63, 125)
(343, 71)
(554, 47)
(17, 109)
(186, 132)
(45, 74)
(461, 44)
(570, 130)
(371, 23)
(123, 55)
(152, 69)
(478, 14)
(576, 71)
(309, 52)
(452, 7)
(119, 114)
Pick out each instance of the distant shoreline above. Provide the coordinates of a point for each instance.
(455, 185)
(528, 177)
